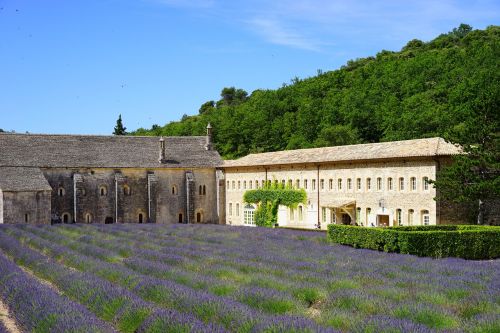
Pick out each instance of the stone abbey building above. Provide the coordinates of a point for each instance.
(116, 179)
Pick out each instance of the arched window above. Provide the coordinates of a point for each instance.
(244, 184)
(358, 184)
(126, 190)
(413, 183)
(410, 216)
(330, 184)
(230, 209)
(426, 219)
(301, 213)
(239, 184)
(389, 184)
(314, 184)
(88, 218)
(379, 184)
(103, 190)
(237, 209)
(399, 217)
(227, 185)
(200, 190)
(174, 190)
(358, 215)
(292, 214)
(339, 184)
(256, 183)
(401, 184)
(180, 218)
(250, 185)
(368, 213)
(297, 183)
(140, 218)
(323, 214)
(248, 215)
(27, 218)
(61, 192)
(322, 184)
(349, 183)
(233, 184)
(305, 184)
(199, 217)
(368, 184)
(290, 183)
(425, 183)
(204, 190)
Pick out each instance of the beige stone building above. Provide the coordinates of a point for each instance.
(379, 184)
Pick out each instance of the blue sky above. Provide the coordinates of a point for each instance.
(73, 66)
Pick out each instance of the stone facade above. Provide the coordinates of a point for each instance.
(366, 189)
(96, 179)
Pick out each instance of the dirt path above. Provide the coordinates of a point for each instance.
(7, 320)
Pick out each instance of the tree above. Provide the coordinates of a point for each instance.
(269, 198)
(474, 177)
(119, 128)
(206, 107)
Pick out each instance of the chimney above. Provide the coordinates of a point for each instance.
(161, 158)
(208, 145)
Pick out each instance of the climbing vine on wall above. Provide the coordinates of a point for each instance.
(269, 198)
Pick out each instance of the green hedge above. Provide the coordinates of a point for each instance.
(464, 241)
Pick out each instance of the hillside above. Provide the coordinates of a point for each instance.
(427, 89)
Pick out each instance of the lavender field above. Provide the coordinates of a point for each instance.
(188, 278)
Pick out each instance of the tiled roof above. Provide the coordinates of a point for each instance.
(361, 152)
(39, 150)
(18, 179)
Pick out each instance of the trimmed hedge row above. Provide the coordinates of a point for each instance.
(463, 241)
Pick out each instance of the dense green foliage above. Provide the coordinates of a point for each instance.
(427, 89)
(464, 241)
(270, 198)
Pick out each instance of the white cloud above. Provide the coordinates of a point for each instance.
(275, 32)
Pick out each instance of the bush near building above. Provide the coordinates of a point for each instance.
(464, 241)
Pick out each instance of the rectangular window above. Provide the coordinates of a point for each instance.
(333, 219)
(322, 184)
(228, 184)
(358, 184)
(399, 217)
(368, 184)
(413, 183)
(248, 216)
(234, 184)
(305, 184)
(314, 184)
(368, 212)
(401, 184)
(379, 184)
(358, 215)
(323, 214)
(237, 209)
(330, 184)
(339, 184)
(239, 185)
(230, 209)
(349, 183)
(389, 184)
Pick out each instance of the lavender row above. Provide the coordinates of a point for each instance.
(232, 314)
(126, 311)
(36, 307)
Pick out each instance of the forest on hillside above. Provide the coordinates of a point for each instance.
(427, 89)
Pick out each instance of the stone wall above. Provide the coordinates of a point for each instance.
(26, 207)
(126, 195)
(323, 184)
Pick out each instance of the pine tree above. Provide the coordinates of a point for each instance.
(119, 128)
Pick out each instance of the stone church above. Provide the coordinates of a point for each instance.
(108, 179)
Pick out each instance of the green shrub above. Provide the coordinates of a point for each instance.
(464, 241)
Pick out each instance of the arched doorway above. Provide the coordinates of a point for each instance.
(141, 217)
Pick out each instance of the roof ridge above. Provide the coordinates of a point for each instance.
(98, 135)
